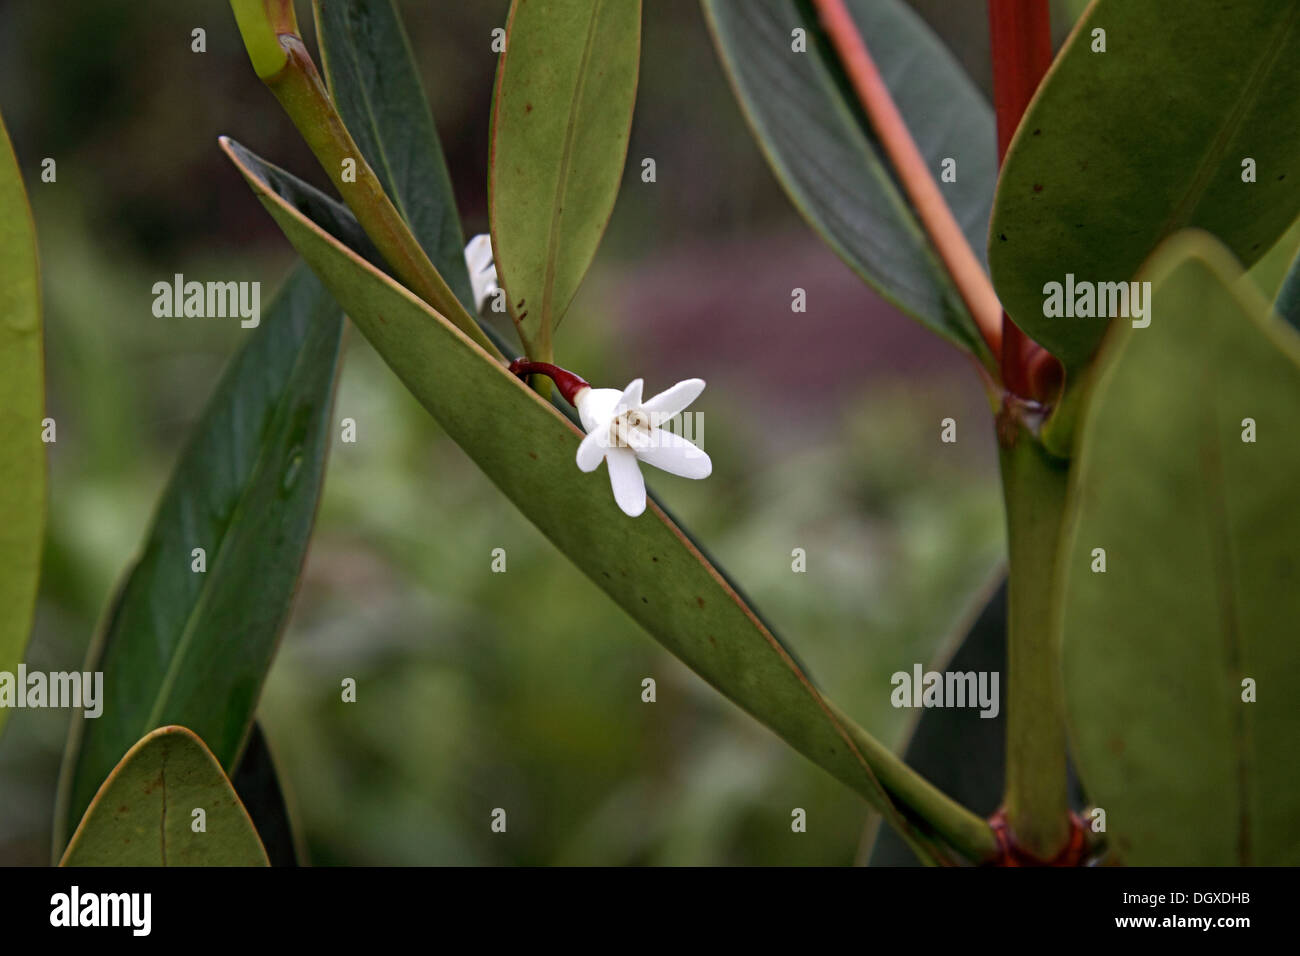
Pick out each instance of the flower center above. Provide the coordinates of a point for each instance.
(630, 429)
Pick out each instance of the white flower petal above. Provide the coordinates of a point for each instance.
(482, 270)
(478, 254)
(674, 454)
(591, 451)
(631, 397)
(671, 401)
(625, 478)
(596, 407)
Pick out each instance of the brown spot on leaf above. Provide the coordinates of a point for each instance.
(532, 455)
(1038, 187)
(699, 600)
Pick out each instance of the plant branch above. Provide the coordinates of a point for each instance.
(1021, 34)
(1036, 800)
(932, 209)
(296, 83)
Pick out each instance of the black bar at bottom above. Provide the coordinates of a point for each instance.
(613, 907)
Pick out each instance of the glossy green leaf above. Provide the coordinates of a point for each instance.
(257, 783)
(1121, 149)
(375, 84)
(823, 150)
(143, 815)
(527, 448)
(1288, 296)
(22, 396)
(961, 752)
(1270, 272)
(1201, 589)
(561, 118)
(955, 748)
(193, 648)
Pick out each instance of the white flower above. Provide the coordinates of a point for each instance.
(482, 269)
(622, 429)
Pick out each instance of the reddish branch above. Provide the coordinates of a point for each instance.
(945, 234)
(1021, 32)
(568, 383)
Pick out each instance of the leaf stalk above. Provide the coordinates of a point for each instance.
(298, 86)
(932, 209)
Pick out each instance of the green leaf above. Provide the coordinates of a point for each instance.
(1121, 149)
(1202, 582)
(1288, 296)
(955, 748)
(822, 148)
(959, 750)
(194, 648)
(143, 815)
(375, 84)
(647, 564)
(561, 118)
(261, 22)
(1270, 272)
(22, 397)
(258, 785)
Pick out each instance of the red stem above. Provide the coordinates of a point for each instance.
(568, 383)
(941, 226)
(1021, 32)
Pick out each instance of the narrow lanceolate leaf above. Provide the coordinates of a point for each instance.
(166, 803)
(1288, 297)
(822, 148)
(22, 398)
(963, 750)
(1181, 662)
(193, 646)
(257, 783)
(561, 117)
(1189, 118)
(645, 564)
(956, 748)
(376, 86)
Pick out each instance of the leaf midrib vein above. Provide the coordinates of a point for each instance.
(200, 603)
(561, 184)
(1225, 572)
(1212, 160)
(381, 149)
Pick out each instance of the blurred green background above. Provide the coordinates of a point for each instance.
(479, 690)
